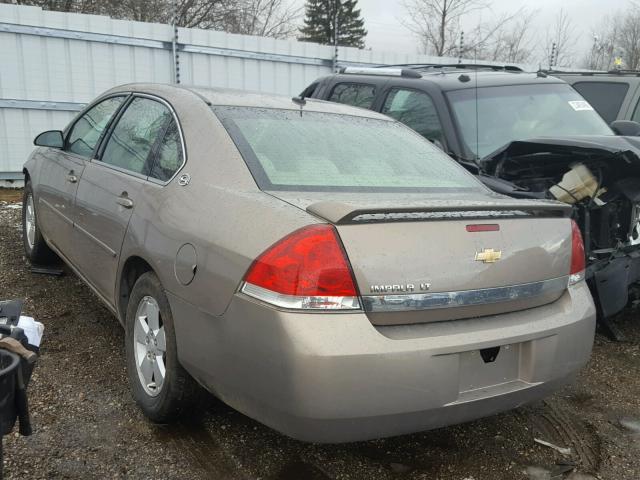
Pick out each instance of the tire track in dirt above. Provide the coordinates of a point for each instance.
(561, 427)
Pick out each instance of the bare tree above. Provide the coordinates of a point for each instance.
(628, 39)
(437, 22)
(507, 39)
(560, 40)
(604, 49)
(513, 42)
(267, 18)
(616, 42)
(272, 18)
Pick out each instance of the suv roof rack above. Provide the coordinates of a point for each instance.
(587, 73)
(383, 71)
(463, 66)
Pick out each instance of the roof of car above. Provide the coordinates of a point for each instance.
(242, 98)
(457, 79)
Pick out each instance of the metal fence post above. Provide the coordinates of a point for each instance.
(174, 44)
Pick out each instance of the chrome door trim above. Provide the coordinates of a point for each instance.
(55, 210)
(97, 241)
(463, 298)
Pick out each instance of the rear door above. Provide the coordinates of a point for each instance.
(110, 187)
(61, 170)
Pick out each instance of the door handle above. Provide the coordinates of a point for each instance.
(124, 201)
(71, 177)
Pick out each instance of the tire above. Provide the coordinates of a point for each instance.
(35, 247)
(162, 399)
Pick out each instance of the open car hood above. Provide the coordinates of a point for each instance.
(588, 147)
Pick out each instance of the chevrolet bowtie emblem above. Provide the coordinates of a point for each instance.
(488, 255)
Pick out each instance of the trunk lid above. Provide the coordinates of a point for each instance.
(416, 261)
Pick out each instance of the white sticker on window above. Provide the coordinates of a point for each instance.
(580, 105)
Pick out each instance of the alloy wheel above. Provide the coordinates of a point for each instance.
(150, 346)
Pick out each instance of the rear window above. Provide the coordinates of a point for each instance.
(293, 150)
(605, 97)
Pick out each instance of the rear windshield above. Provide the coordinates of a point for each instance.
(290, 150)
(491, 117)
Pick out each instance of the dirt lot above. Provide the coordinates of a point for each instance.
(87, 426)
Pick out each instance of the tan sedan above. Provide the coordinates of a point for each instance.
(321, 268)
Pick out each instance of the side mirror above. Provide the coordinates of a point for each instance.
(50, 138)
(626, 128)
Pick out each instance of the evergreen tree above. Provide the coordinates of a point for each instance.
(320, 18)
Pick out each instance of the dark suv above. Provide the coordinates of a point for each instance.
(615, 95)
(526, 135)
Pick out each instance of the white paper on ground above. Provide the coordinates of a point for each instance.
(32, 329)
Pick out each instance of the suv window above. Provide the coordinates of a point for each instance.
(416, 110)
(168, 157)
(85, 133)
(135, 134)
(605, 97)
(636, 113)
(356, 94)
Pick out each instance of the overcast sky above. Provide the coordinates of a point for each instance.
(386, 32)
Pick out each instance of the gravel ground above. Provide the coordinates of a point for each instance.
(86, 424)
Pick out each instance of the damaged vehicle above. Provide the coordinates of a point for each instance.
(526, 135)
(321, 268)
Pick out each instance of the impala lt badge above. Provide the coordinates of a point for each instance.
(488, 255)
(400, 288)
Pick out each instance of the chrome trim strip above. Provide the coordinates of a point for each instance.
(463, 298)
(96, 240)
(55, 210)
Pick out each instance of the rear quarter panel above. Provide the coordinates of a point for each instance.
(221, 212)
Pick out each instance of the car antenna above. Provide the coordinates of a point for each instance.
(299, 100)
(477, 156)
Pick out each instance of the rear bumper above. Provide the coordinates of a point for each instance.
(337, 378)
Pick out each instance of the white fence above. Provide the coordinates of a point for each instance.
(52, 63)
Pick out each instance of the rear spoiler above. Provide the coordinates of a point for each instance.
(344, 213)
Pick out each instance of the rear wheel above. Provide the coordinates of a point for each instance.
(160, 386)
(35, 247)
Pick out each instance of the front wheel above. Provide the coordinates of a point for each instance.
(160, 386)
(35, 247)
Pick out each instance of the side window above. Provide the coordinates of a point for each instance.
(605, 97)
(168, 157)
(356, 94)
(636, 113)
(135, 134)
(85, 133)
(310, 90)
(417, 111)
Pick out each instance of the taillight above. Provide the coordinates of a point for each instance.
(576, 273)
(307, 269)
